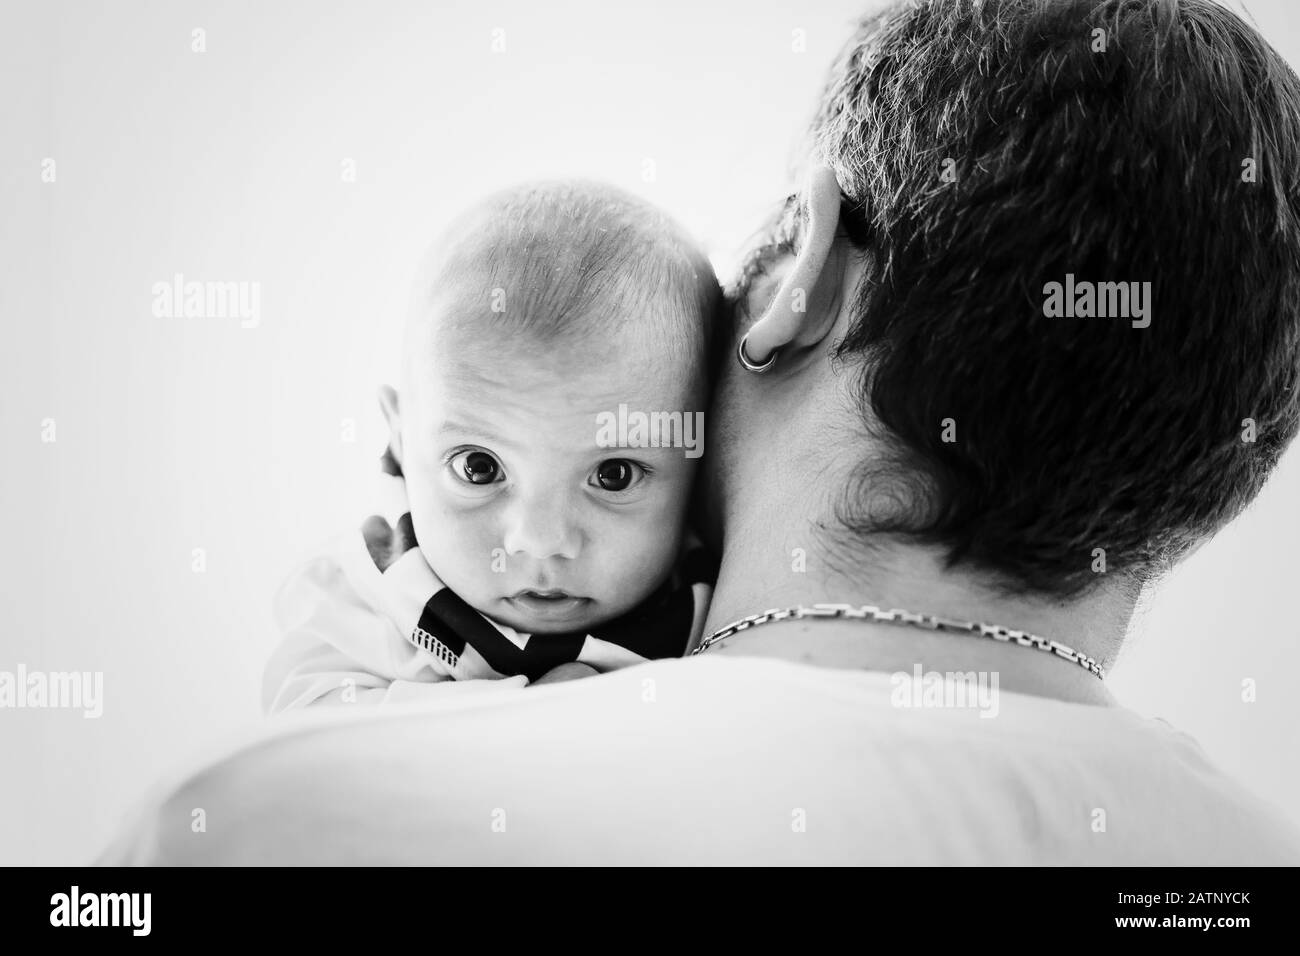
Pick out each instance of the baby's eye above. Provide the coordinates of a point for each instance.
(476, 467)
(617, 474)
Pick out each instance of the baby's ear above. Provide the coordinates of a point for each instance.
(388, 405)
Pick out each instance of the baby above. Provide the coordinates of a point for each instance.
(548, 319)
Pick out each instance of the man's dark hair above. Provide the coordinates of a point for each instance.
(1118, 141)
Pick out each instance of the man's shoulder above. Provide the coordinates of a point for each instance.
(897, 776)
(739, 760)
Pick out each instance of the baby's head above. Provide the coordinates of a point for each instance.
(546, 316)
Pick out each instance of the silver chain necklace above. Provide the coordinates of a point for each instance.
(908, 619)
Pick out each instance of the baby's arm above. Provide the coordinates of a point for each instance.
(369, 623)
(348, 618)
(338, 644)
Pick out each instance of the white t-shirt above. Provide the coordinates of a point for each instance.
(712, 760)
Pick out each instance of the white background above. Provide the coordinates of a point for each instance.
(175, 434)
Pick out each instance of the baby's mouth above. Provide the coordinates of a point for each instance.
(550, 604)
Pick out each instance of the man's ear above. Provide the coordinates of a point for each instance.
(388, 405)
(802, 311)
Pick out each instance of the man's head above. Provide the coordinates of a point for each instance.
(537, 315)
(988, 150)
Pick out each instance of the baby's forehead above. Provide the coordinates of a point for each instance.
(602, 356)
(520, 401)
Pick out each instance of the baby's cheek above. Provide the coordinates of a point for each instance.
(457, 547)
(637, 562)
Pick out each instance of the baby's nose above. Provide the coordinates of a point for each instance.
(541, 530)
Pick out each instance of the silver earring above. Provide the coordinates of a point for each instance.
(748, 364)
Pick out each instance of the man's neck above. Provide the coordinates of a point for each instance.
(760, 575)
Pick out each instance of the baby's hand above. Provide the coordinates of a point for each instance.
(385, 543)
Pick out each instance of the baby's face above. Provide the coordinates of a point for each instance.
(516, 505)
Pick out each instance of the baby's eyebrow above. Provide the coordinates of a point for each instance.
(457, 428)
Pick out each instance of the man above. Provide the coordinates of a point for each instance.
(993, 368)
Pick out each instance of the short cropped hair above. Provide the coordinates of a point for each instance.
(987, 149)
(569, 259)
